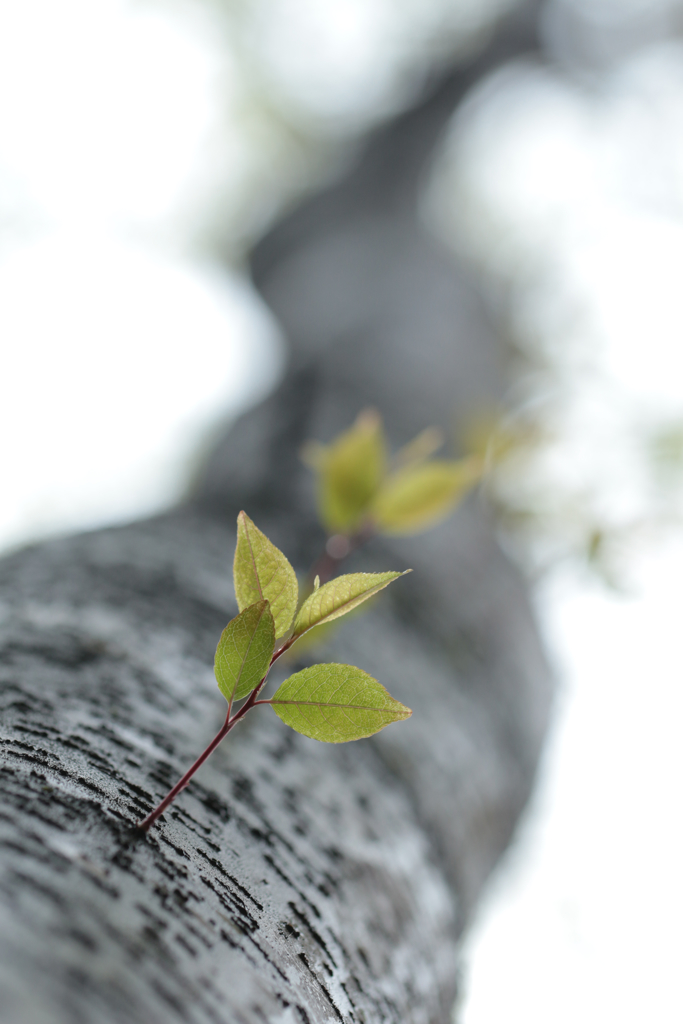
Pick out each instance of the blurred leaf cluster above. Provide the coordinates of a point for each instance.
(545, 522)
(361, 490)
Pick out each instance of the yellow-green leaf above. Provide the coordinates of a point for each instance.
(350, 471)
(340, 596)
(244, 651)
(336, 703)
(417, 497)
(420, 448)
(261, 572)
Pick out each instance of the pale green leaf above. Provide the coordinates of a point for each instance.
(244, 651)
(340, 596)
(495, 439)
(312, 454)
(420, 448)
(261, 572)
(350, 471)
(417, 497)
(336, 703)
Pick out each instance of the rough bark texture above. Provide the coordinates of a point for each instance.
(292, 881)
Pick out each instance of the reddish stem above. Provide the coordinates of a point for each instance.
(179, 786)
(228, 724)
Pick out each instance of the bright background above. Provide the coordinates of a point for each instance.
(144, 144)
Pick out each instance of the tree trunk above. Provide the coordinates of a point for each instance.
(292, 881)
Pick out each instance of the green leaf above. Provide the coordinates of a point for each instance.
(340, 596)
(350, 471)
(417, 497)
(420, 448)
(244, 651)
(494, 439)
(336, 703)
(261, 572)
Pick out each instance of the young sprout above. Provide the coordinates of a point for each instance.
(332, 703)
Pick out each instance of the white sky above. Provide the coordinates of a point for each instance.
(122, 343)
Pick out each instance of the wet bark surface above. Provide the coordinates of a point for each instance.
(292, 881)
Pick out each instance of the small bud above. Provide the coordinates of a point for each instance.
(338, 546)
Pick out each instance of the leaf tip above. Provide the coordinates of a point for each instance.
(312, 454)
(368, 419)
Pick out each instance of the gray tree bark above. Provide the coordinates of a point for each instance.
(292, 881)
